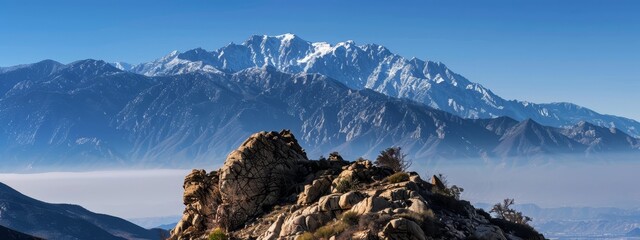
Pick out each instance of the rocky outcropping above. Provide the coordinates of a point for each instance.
(268, 189)
(201, 198)
(257, 175)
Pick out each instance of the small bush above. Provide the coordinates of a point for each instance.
(417, 217)
(373, 221)
(346, 185)
(217, 234)
(306, 236)
(394, 159)
(332, 229)
(350, 218)
(398, 177)
(504, 211)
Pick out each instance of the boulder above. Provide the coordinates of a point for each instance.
(488, 232)
(435, 181)
(257, 174)
(370, 204)
(397, 194)
(420, 206)
(349, 199)
(274, 230)
(402, 229)
(302, 221)
(201, 197)
(330, 203)
(312, 192)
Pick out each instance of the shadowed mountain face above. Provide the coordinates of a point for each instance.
(8, 234)
(374, 67)
(530, 138)
(90, 114)
(64, 221)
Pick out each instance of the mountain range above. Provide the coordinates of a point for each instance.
(64, 221)
(91, 114)
(375, 67)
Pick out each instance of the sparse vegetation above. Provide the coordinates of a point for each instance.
(373, 221)
(451, 191)
(398, 177)
(413, 216)
(306, 236)
(504, 211)
(347, 185)
(331, 229)
(217, 234)
(394, 159)
(523, 231)
(350, 218)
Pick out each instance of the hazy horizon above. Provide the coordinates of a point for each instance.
(157, 193)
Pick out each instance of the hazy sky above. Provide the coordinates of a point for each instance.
(586, 52)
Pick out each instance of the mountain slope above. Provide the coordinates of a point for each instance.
(90, 114)
(327, 114)
(592, 136)
(63, 221)
(529, 138)
(374, 67)
(63, 113)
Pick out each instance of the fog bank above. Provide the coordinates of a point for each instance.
(126, 194)
(156, 193)
(556, 185)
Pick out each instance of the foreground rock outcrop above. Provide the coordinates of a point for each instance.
(267, 189)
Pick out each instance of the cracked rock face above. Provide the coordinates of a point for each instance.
(201, 196)
(254, 177)
(257, 175)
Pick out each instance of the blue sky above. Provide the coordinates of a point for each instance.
(586, 52)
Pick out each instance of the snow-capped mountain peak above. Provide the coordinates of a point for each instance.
(375, 67)
(122, 66)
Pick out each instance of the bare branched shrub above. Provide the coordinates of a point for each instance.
(504, 211)
(394, 159)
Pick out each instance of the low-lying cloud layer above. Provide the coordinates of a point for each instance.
(155, 193)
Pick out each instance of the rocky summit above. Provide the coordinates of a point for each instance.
(269, 189)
